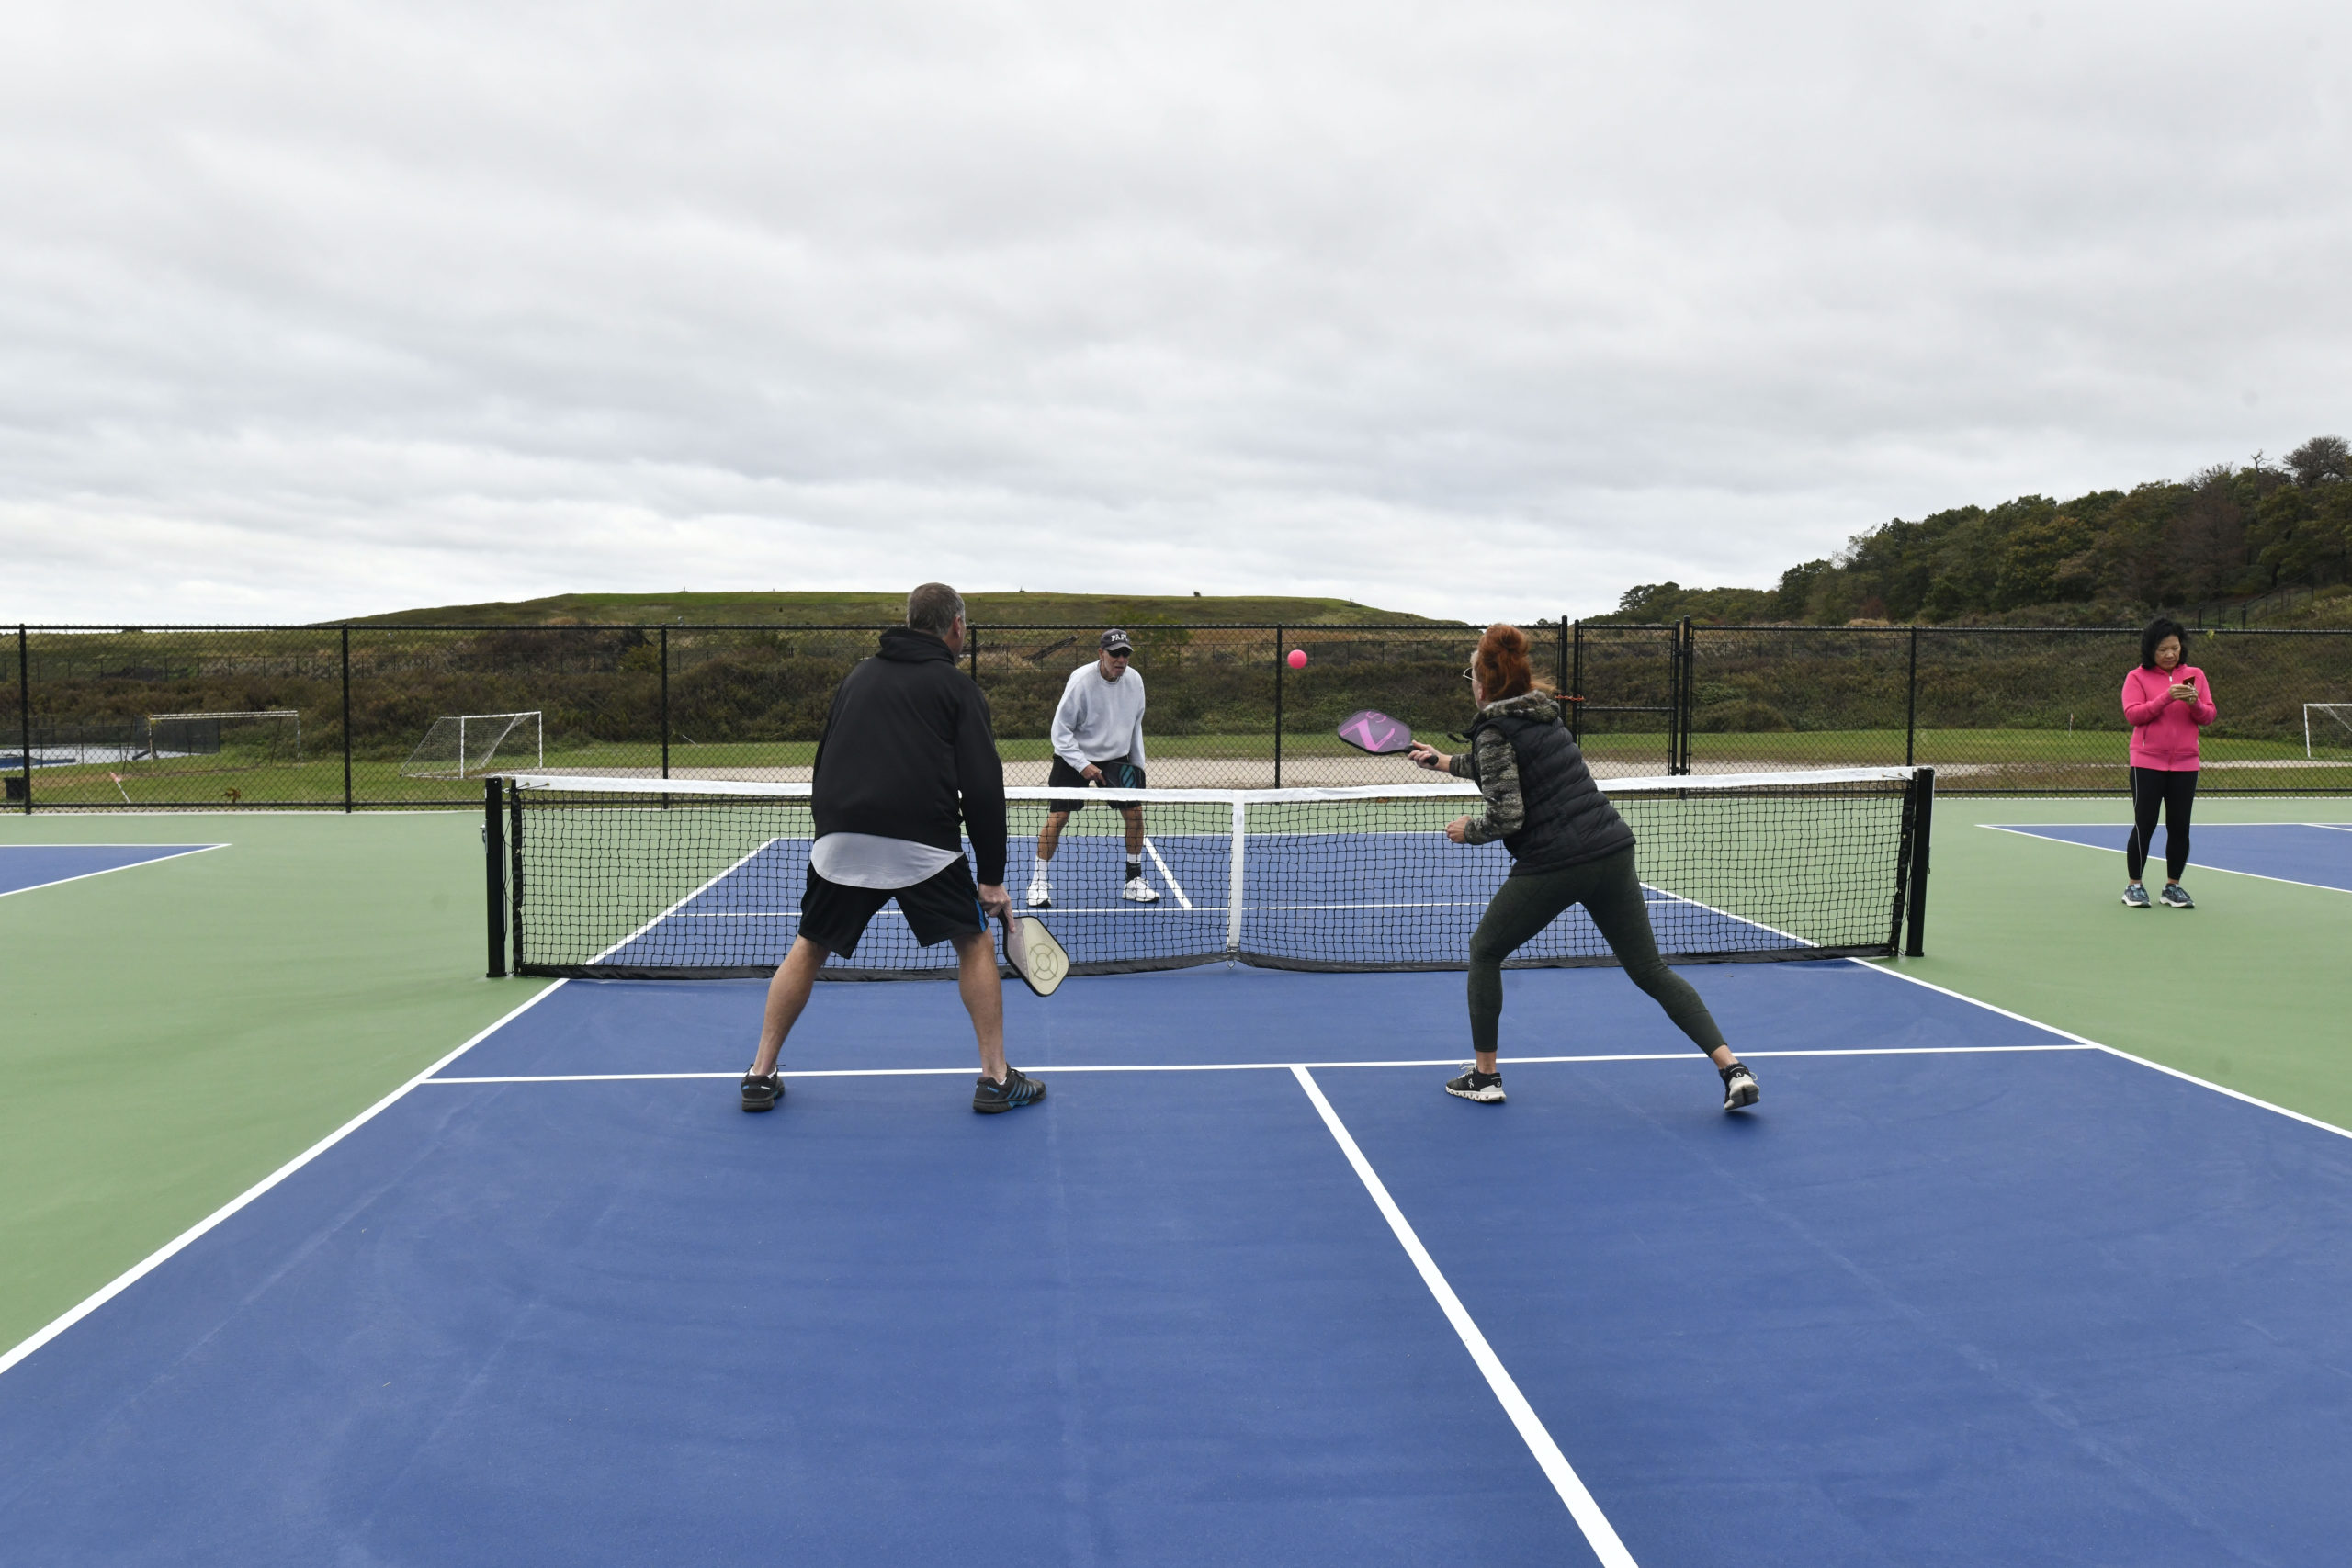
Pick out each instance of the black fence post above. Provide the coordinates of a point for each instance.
(1678, 723)
(347, 721)
(1280, 662)
(25, 718)
(1911, 704)
(665, 705)
(493, 859)
(1923, 820)
(1576, 685)
(972, 650)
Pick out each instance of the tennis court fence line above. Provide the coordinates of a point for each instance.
(629, 878)
(1993, 709)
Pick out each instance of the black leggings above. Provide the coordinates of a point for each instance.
(1611, 895)
(2176, 792)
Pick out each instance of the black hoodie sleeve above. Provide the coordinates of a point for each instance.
(980, 777)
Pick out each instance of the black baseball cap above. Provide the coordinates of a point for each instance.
(1115, 641)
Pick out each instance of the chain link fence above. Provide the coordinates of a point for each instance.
(336, 717)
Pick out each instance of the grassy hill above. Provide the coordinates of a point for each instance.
(857, 609)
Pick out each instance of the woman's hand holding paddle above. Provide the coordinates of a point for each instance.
(1425, 755)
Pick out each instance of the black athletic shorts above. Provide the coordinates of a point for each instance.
(1061, 776)
(946, 904)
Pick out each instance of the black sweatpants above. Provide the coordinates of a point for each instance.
(2176, 792)
(1611, 895)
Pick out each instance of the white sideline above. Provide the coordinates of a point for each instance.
(1598, 1532)
(107, 871)
(1262, 1067)
(162, 1255)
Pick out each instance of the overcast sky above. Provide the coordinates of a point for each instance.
(312, 310)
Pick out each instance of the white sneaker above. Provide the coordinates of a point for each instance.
(1041, 892)
(1139, 891)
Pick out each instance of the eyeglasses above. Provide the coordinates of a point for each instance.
(1118, 653)
(1470, 673)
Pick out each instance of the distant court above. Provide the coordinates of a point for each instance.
(24, 867)
(2316, 854)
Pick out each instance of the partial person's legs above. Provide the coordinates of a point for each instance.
(1613, 900)
(2180, 796)
(1136, 890)
(1049, 838)
(983, 993)
(2147, 796)
(1520, 907)
(788, 994)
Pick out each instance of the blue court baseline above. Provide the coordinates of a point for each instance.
(1350, 917)
(2022, 1301)
(24, 867)
(2315, 854)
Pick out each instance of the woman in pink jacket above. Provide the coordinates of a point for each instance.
(2167, 701)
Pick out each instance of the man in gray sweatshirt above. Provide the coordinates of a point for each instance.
(1098, 739)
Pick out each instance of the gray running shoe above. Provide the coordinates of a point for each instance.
(1739, 1087)
(2175, 897)
(2135, 897)
(1486, 1088)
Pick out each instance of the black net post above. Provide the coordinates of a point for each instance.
(24, 718)
(1923, 819)
(1281, 664)
(493, 859)
(347, 721)
(665, 704)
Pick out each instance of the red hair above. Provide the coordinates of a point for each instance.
(1501, 664)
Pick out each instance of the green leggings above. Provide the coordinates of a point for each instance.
(1611, 895)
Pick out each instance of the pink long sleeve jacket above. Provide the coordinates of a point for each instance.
(2163, 731)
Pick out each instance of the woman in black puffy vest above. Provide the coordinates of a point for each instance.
(1567, 846)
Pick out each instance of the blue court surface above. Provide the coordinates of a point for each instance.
(2317, 854)
(27, 866)
(1248, 1288)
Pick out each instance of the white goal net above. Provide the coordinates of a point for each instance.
(467, 745)
(211, 742)
(2327, 729)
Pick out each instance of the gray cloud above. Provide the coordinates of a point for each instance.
(1489, 309)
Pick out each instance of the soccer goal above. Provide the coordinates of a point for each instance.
(221, 739)
(466, 745)
(2327, 726)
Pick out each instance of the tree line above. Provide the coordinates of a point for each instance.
(2227, 534)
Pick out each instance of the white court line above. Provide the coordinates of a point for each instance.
(85, 875)
(163, 1254)
(1598, 1532)
(1265, 1067)
(2331, 826)
(2111, 1050)
(2200, 864)
(1173, 885)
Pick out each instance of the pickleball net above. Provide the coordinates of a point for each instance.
(634, 878)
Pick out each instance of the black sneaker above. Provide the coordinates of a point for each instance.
(1739, 1087)
(1016, 1088)
(1486, 1088)
(761, 1093)
(2175, 897)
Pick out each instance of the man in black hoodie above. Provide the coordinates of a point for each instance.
(907, 761)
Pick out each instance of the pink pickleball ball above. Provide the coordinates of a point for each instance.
(1298, 659)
